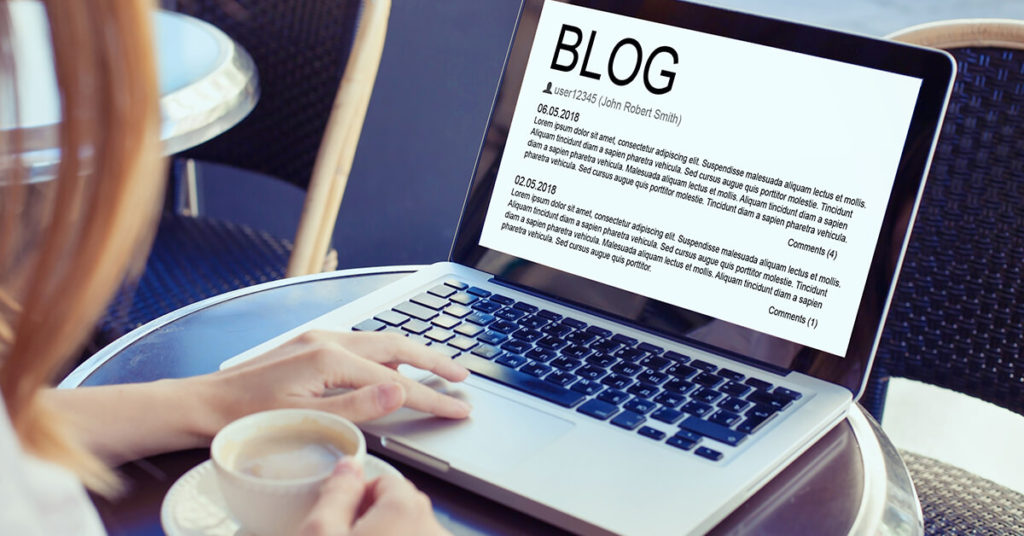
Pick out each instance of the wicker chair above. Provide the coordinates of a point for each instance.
(317, 68)
(957, 317)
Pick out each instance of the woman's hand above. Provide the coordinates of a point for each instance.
(302, 371)
(388, 505)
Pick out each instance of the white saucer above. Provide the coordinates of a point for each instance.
(194, 507)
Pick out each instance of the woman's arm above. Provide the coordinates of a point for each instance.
(129, 421)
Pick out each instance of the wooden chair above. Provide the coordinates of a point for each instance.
(957, 316)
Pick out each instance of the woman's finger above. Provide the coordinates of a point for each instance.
(337, 508)
(394, 349)
(397, 507)
(366, 403)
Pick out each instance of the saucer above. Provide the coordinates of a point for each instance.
(194, 506)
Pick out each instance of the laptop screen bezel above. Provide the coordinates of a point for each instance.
(935, 70)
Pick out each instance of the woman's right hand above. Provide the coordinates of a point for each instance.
(348, 506)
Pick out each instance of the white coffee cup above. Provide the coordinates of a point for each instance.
(270, 465)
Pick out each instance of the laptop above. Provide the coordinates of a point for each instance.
(673, 263)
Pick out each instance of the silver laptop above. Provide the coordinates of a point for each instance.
(673, 262)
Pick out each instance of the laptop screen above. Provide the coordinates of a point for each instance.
(732, 181)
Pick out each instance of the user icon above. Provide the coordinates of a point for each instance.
(548, 89)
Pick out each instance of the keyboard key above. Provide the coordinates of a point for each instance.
(713, 431)
(706, 395)
(677, 357)
(651, 377)
(671, 400)
(598, 409)
(429, 300)
(448, 351)
(550, 315)
(504, 300)
(369, 325)
(630, 354)
(574, 323)
(536, 369)
(463, 343)
(456, 284)
(601, 360)
(510, 314)
(587, 387)
(667, 415)
(458, 311)
(521, 381)
(523, 306)
(446, 322)
(438, 334)
(683, 372)
(511, 360)
(678, 386)
(787, 393)
(708, 379)
(486, 306)
(492, 337)
(533, 322)
(591, 372)
(769, 399)
(415, 310)
(624, 340)
(753, 424)
(652, 433)
(516, 347)
(392, 318)
(416, 326)
(730, 374)
(504, 326)
(679, 442)
(526, 334)
(640, 405)
(477, 291)
(734, 388)
(627, 369)
(733, 404)
(643, 390)
(541, 354)
(552, 343)
(599, 332)
(724, 417)
(580, 338)
(480, 319)
(650, 348)
(605, 346)
(710, 454)
(760, 411)
(703, 365)
(560, 377)
(613, 396)
(617, 381)
(486, 351)
(469, 330)
(697, 408)
(442, 291)
(576, 351)
(655, 362)
(393, 329)
(758, 384)
(566, 363)
(628, 420)
(464, 298)
(557, 330)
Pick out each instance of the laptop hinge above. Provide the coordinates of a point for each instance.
(767, 367)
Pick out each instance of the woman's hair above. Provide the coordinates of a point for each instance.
(67, 240)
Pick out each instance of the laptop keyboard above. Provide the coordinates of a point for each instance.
(608, 376)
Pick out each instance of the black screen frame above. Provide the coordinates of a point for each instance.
(934, 68)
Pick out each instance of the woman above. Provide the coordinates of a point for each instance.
(67, 243)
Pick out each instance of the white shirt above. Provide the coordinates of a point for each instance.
(39, 498)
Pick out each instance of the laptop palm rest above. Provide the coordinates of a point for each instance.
(500, 433)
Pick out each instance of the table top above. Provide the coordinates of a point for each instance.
(207, 83)
(851, 481)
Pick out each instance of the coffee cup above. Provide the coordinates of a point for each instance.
(270, 465)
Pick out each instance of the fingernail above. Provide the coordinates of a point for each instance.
(390, 395)
(345, 466)
(464, 405)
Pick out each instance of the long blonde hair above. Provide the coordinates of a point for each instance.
(67, 242)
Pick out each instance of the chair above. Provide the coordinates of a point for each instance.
(957, 316)
(317, 68)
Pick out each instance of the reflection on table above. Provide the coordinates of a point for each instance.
(850, 481)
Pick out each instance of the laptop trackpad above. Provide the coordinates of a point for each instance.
(499, 433)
